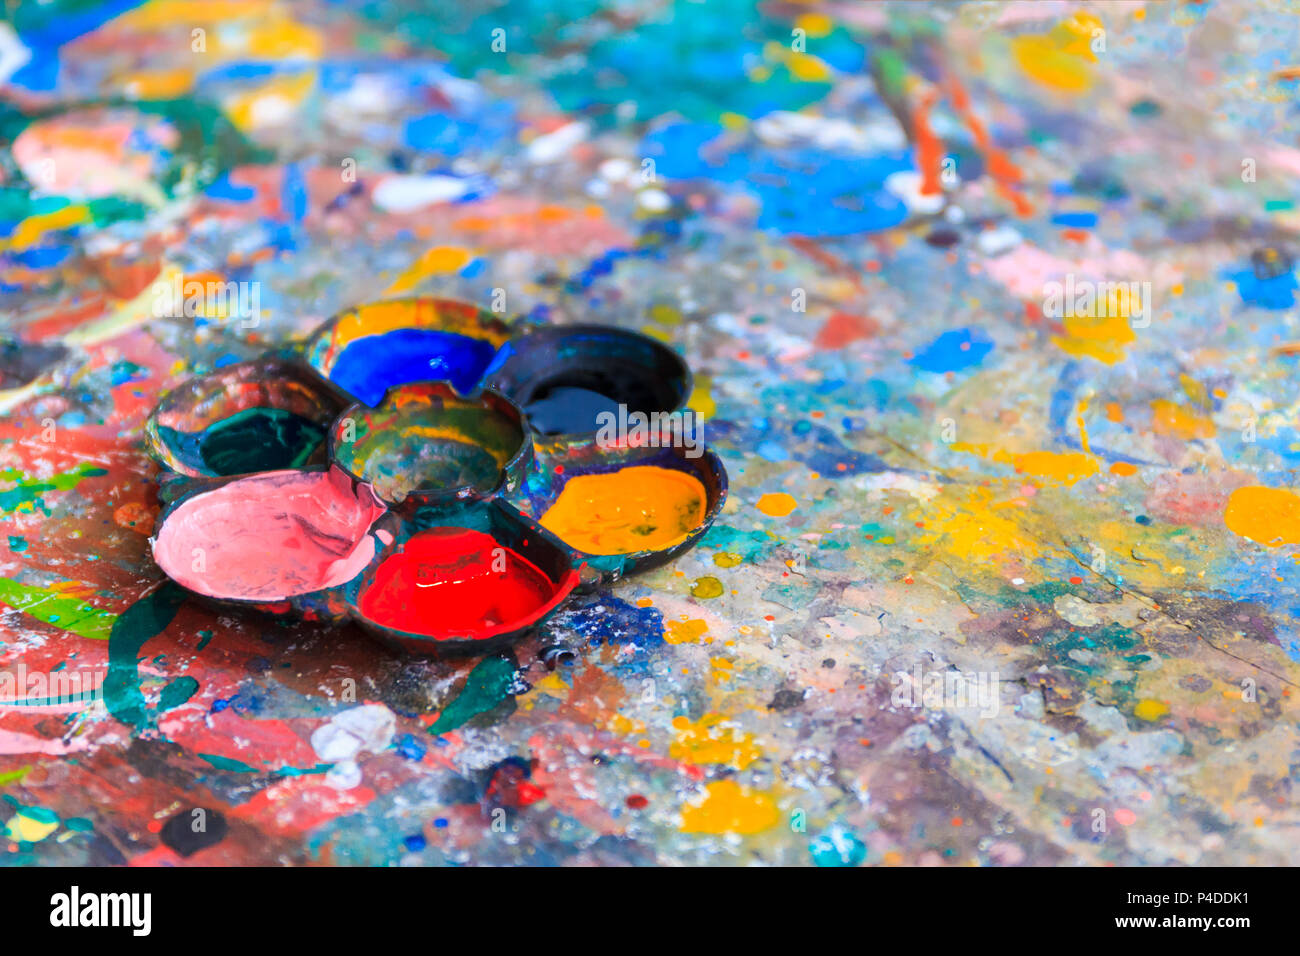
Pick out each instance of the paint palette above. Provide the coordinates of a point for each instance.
(421, 469)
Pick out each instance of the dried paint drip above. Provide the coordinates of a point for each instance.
(255, 439)
(271, 536)
(642, 508)
(458, 583)
(369, 366)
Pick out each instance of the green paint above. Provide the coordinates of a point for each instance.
(17, 544)
(52, 607)
(26, 493)
(255, 439)
(752, 546)
(205, 638)
(177, 692)
(229, 764)
(79, 824)
(135, 626)
(488, 685)
(11, 776)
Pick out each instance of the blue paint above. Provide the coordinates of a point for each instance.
(954, 350)
(371, 365)
(804, 192)
(1075, 220)
(1276, 293)
(223, 188)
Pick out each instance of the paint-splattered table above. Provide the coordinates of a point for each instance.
(993, 319)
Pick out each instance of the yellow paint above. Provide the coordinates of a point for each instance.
(1268, 516)
(30, 231)
(1103, 338)
(1064, 467)
(727, 559)
(975, 528)
(438, 261)
(1149, 709)
(1060, 58)
(1178, 422)
(706, 588)
(815, 24)
(157, 84)
(267, 104)
(713, 740)
(728, 807)
(684, 632)
(23, 827)
(701, 400)
(777, 504)
(642, 508)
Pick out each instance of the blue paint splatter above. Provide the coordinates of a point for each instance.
(954, 350)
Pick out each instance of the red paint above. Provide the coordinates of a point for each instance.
(844, 327)
(929, 148)
(457, 583)
(637, 802)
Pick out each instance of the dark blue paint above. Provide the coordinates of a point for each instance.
(371, 365)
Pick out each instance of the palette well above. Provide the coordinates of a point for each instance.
(427, 444)
(566, 378)
(271, 539)
(244, 418)
(419, 471)
(367, 350)
(464, 582)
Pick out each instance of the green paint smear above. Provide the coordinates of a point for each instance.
(255, 439)
(11, 776)
(69, 613)
(17, 544)
(177, 692)
(487, 686)
(752, 546)
(28, 491)
(232, 765)
(135, 626)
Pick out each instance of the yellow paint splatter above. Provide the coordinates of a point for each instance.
(701, 400)
(684, 632)
(1060, 59)
(706, 588)
(438, 261)
(777, 504)
(713, 740)
(975, 528)
(1064, 467)
(728, 807)
(1268, 516)
(1178, 422)
(1148, 709)
(33, 826)
(727, 559)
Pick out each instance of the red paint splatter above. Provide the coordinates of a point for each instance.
(844, 327)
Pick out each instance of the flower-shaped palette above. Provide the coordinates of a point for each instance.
(432, 472)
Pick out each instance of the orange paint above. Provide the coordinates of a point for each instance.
(643, 508)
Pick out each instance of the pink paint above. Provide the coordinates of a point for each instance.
(270, 536)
